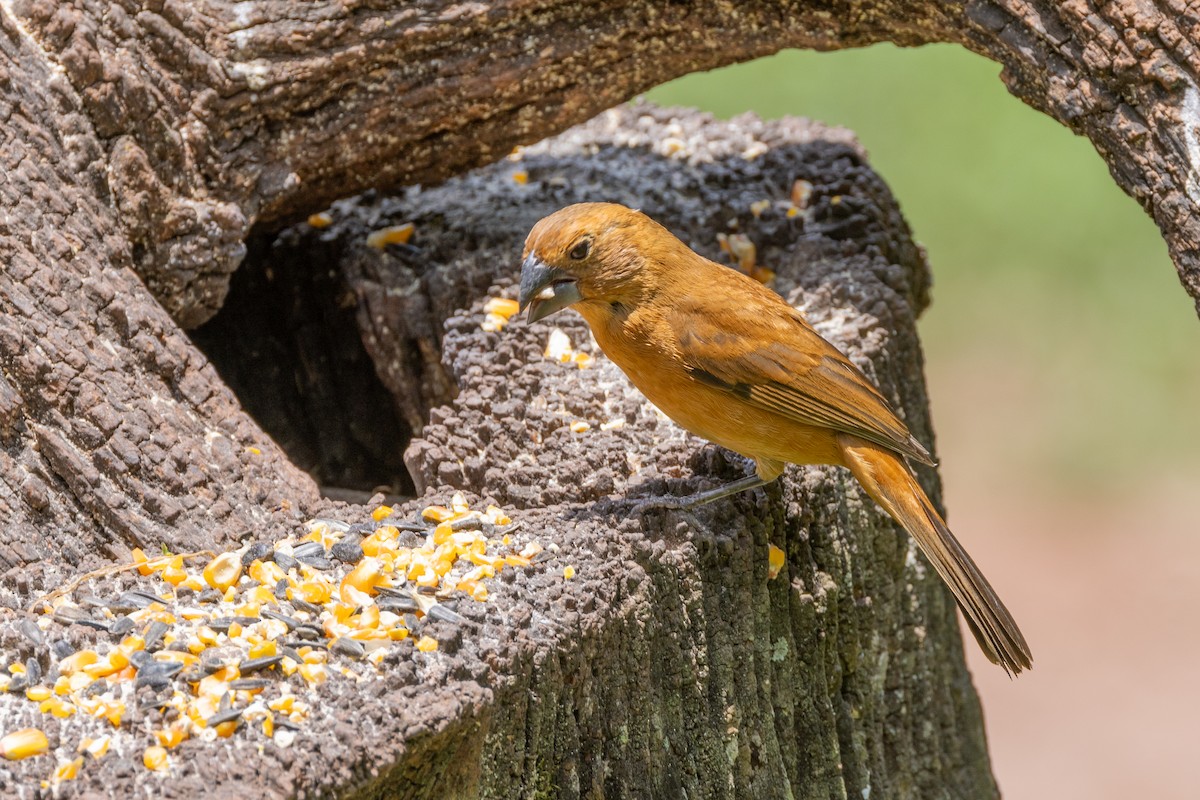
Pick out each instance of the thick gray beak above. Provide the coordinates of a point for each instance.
(545, 289)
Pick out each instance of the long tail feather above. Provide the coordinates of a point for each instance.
(890, 483)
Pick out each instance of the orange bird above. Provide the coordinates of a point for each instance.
(730, 360)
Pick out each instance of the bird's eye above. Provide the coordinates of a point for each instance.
(580, 251)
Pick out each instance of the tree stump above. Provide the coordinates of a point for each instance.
(670, 664)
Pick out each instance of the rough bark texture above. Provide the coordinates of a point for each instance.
(670, 665)
(115, 430)
(208, 117)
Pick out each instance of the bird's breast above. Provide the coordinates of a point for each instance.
(652, 361)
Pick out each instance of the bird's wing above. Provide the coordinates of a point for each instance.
(765, 352)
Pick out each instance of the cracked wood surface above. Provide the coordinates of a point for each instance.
(115, 430)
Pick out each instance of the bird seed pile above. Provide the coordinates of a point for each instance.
(203, 645)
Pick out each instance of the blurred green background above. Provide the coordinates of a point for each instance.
(1063, 360)
(1054, 299)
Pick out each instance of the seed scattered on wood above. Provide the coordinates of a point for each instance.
(24, 743)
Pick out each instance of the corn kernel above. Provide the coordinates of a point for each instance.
(317, 591)
(23, 744)
(265, 648)
(77, 661)
(501, 306)
(155, 758)
(267, 573)
(314, 673)
(496, 516)
(427, 644)
(140, 559)
(38, 693)
(171, 737)
(568, 572)
(381, 513)
(365, 577)
(393, 234)
(223, 571)
(67, 772)
(174, 573)
(520, 177)
(437, 514)
(775, 561)
(96, 748)
(56, 708)
(322, 219)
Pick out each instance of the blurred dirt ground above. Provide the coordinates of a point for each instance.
(1106, 586)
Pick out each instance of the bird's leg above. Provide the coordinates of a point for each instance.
(701, 498)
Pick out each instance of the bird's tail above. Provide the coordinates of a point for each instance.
(888, 480)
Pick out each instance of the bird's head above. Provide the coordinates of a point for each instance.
(592, 254)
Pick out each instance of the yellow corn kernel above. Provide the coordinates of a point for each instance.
(38, 693)
(775, 560)
(437, 514)
(367, 618)
(195, 583)
(68, 771)
(394, 234)
(267, 573)
(322, 219)
(267, 647)
(365, 577)
(520, 177)
(79, 681)
(56, 708)
(23, 744)
(227, 728)
(317, 591)
(174, 573)
(172, 736)
(381, 513)
(442, 533)
(314, 673)
(427, 644)
(502, 306)
(113, 662)
(77, 661)
(132, 643)
(223, 571)
(568, 572)
(284, 703)
(268, 725)
(96, 748)
(155, 758)
(497, 517)
(140, 559)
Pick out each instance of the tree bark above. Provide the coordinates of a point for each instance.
(210, 117)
